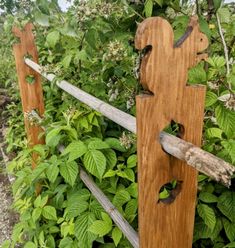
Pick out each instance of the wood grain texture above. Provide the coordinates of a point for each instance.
(164, 73)
(31, 94)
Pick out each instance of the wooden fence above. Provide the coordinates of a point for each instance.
(161, 156)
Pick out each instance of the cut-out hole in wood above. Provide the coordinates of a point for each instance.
(175, 129)
(169, 191)
(30, 79)
(28, 56)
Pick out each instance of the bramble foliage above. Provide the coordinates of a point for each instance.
(91, 45)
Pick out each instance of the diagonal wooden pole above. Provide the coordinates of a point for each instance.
(29, 83)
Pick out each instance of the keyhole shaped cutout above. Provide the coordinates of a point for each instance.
(175, 129)
(30, 79)
(169, 191)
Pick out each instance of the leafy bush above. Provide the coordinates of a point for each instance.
(91, 45)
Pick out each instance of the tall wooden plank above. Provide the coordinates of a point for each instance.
(164, 73)
(31, 93)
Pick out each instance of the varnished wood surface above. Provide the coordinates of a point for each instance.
(164, 73)
(31, 94)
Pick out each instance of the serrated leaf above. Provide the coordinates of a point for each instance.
(110, 173)
(66, 61)
(30, 244)
(207, 214)
(224, 15)
(132, 190)
(116, 235)
(226, 204)
(131, 209)
(110, 157)
(121, 197)
(36, 214)
(226, 120)
(69, 172)
(101, 227)
(52, 172)
(229, 146)
(207, 197)
(66, 242)
(76, 208)
(132, 161)
(148, 8)
(42, 19)
(115, 144)
(95, 163)
(97, 144)
(53, 137)
(230, 245)
(229, 228)
(49, 213)
(211, 98)
(197, 75)
(214, 133)
(76, 149)
(82, 224)
(53, 38)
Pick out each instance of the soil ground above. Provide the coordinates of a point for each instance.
(7, 217)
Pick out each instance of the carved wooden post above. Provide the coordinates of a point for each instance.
(164, 71)
(31, 92)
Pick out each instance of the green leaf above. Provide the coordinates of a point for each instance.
(53, 38)
(229, 146)
(66, 61)
(148, 8)
(30, 245)
(97, 144)
(111, 157)
(217, 4)
(66, 242)
(229, 228)
(36, 214)
(116, 235)
(76, 208)
(69, 172)
(207, 214)
(226, 120)
(216, 61)
(76, 149)
(226, 204)
(132, 190)
(121, 197)
(82, 224)
(52, 172)
(110, 173)
(211, 98)
(115, 144)
(53, 137)
(214, 133)
(49, 213)
(197, 75)
(131, 210)
(207, 197)
(101, 227)
(230, 245)
(42, 19)
(159, 2)
(132, 161)
(224, 15)
(95, 163)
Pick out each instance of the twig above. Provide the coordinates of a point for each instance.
(224, 45)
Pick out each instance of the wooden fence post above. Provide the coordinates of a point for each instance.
(164, 69)
(29, 84)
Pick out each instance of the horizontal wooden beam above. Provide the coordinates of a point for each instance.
(205, 162)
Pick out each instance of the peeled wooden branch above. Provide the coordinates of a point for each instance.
(203, 161)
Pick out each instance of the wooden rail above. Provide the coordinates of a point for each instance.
(205, 162)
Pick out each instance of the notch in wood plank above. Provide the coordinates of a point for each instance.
(29, 83)
(164, 71)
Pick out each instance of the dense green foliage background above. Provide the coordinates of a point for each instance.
(91, 45)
